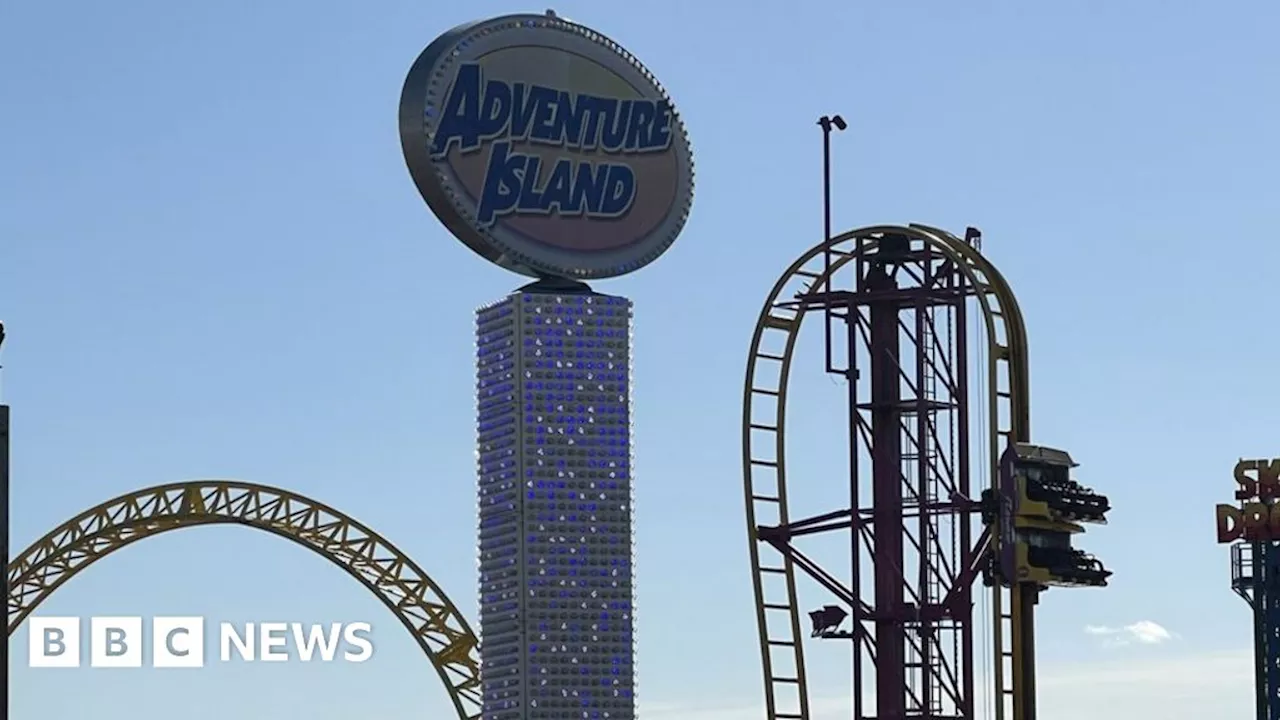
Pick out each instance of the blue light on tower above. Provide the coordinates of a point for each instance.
(555, 495)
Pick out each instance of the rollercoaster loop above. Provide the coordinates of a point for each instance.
(765, 481)
(415, 599)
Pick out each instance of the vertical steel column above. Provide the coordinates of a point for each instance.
(1259, 629)
(886, 492)
(925, 485)
(1023, 601)
(963, 607)
(1267, 599)
(852, 326)
(4, 554)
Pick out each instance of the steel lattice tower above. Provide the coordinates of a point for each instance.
(1255, 576)
(941, 484)
(896, 336)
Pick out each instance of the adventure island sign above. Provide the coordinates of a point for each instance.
(546, 148)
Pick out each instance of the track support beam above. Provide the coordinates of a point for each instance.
(402, 586)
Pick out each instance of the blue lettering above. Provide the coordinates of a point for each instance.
(470, 115)
(573, 116)
(616, 115)
(661, 129)
(515, 184)
(480, 111)
(620, 190)
(522, 112)
(593, 113)
(501, 184)
(545, 116)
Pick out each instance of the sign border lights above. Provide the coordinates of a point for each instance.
(446, 95)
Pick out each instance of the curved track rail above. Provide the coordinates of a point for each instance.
(765, 481)
(401, 585)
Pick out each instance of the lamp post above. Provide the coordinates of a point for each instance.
(827, 122)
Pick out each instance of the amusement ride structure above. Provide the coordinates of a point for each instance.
(1252, 528)
(942, 486)
(400, 583)
(1255, 577)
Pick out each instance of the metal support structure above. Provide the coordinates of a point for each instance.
(903, 316)
(1023, 656)
(404, 588)
(4, 541)
(1255, 577)
(4, 548)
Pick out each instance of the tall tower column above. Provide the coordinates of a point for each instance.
(555, 531)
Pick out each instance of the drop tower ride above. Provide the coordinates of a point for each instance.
(940, 484)
(1252, 527)
(553, 153)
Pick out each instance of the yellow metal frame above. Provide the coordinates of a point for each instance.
(768, 373)
(420, 605)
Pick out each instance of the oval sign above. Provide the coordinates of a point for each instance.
(546, 147)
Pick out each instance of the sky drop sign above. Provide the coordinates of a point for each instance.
(546, 148)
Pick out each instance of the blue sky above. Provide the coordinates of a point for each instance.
(215, 265)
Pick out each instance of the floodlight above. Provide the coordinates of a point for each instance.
(826, 622)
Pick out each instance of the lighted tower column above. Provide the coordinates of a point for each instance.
(551, 152)
(553, 410)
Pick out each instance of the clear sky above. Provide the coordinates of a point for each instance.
(214, 264)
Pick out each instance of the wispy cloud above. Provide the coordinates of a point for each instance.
(1144, 632)
(1178, 688)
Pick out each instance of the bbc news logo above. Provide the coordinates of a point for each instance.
(179, 642)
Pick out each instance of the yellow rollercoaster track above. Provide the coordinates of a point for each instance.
(401, 585)
(764, 457)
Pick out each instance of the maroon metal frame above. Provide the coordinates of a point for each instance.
(904, 322)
